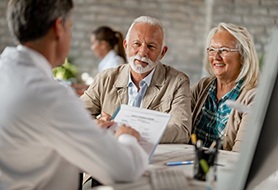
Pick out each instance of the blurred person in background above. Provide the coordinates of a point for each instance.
(107, 45)
(233, 66)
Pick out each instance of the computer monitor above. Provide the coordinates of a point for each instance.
(258, 154)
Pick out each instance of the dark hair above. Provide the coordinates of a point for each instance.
(114, 39)
(31, 19)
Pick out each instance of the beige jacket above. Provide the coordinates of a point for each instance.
(169, 92)
(235, 128)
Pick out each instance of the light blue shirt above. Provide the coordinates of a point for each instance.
(132, 89)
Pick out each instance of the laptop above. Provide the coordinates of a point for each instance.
(258, 154)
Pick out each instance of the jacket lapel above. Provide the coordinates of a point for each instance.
(158, 80)
(122, 95)
(121, 85)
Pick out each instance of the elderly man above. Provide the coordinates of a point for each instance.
(144, 82)
(44, 144)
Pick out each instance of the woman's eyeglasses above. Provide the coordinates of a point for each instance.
(221, 51)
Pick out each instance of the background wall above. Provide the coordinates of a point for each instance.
(186, 22)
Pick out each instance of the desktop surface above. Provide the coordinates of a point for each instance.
(177, 152)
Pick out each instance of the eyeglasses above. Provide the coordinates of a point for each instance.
(221, 51)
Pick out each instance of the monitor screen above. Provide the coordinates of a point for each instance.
(258, 154)
(265, 161)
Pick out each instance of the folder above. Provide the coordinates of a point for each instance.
(149, 123)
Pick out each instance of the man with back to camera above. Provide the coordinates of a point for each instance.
(162, 87)
(44, 143)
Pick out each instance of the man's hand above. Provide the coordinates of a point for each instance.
(127, 130)
(104, 116)
(105, 124)
(104, 120)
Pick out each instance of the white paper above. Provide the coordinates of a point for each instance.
(149, 123)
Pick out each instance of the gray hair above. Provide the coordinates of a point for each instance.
(31, 19)
(149, 20)
(250, 62)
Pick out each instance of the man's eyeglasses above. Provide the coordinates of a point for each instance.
(221, 51)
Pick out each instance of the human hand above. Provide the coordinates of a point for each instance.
(104, 116)
(105, 124)
(79, 88)
(127, 130)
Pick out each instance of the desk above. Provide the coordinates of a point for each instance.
(176, 152)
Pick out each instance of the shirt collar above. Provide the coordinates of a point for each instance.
(235, 90)
(110, 55)
(147, 79)
(39, 60)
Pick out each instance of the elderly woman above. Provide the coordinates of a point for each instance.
(234, 68)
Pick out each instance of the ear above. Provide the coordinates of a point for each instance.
(164, 50)
(125, 44)
(104, 44)
(58, 27)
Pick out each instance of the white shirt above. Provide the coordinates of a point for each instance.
(46, 135)
(110, 60)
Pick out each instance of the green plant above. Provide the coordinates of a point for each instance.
(67, 71)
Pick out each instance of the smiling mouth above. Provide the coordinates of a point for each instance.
(219, 64)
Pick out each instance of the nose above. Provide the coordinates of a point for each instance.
(143, 50)
(217, 55)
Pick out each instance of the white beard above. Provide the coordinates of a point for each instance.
(139, 68)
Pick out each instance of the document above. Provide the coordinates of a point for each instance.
(149, 123)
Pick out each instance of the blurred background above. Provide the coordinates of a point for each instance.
(187, 23)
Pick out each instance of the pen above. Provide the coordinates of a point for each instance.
(204, 165)
(179, 163)
(193, 138)
(211, 146)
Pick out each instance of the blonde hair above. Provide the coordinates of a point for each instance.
(250, 62)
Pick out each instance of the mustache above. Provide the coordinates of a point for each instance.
(144, 59)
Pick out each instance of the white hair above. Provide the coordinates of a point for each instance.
(250, 62)
(148, 20)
